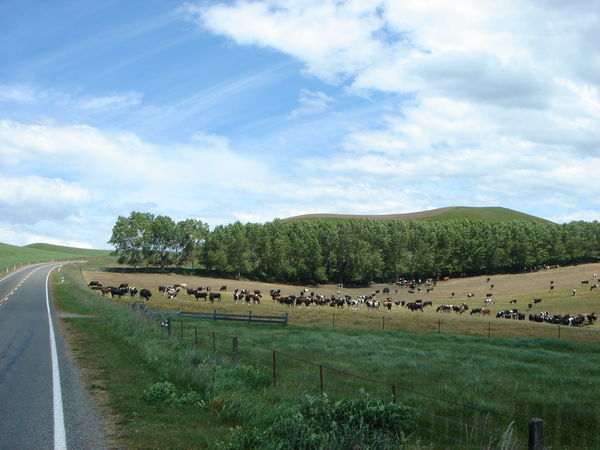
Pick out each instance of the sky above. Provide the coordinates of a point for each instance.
(248, 111)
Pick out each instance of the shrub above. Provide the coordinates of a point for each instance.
(319, 423)
(165, 393)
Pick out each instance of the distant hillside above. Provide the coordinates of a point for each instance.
(493, 214)
(12, 254)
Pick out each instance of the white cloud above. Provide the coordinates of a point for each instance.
(311, 103)
(31, 199)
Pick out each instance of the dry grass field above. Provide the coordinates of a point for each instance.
(522, 287)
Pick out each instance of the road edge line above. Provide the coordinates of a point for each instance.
(60, 439)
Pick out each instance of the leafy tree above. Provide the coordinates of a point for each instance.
(131, 238)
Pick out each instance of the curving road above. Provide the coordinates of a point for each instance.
(43, 403)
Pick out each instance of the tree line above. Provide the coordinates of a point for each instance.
(354, 251)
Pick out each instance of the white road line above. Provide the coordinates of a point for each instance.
(60, 439)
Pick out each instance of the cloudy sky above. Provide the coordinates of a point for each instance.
(252, 110)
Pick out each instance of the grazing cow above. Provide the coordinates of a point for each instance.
(388, 304)
(427, 304)
(214, 296)
(476, 311)
(105, 290)
(123, 286)
(471, 295)
(593, 286)
(489, 294)
(95, 284)
(190, 291)
(584, 282)
(256, 291)
(537, 300)
(223, 288)
(514, 300)
(489, 301)
(199, 294)
(415, 306)
(146, 294)
(386, 290)
(486, 312)
(574, 292)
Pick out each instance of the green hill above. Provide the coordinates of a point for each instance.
(492, 214)
(12, 254)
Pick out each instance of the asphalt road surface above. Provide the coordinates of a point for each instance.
(43, 403)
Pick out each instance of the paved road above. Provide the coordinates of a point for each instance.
(43, 403)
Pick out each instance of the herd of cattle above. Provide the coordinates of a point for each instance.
(371, 302)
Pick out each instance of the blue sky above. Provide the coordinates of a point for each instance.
(252, 110)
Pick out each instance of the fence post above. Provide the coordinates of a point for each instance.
(321, 377)
(274, 371)
(215, 314)
(249, 316)
(234, 353)
(536, 434)
(196, 336)
(439, 326)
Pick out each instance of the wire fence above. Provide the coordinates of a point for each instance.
(297, 375)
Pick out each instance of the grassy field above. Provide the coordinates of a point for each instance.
(11, 255)
(522, 287)
(466, 390)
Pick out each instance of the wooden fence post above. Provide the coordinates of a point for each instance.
(249, 316)
(274, 370)
(234, 352)
(536, 434)
(321, 377)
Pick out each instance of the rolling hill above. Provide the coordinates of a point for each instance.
(452, 212)
(12, 254)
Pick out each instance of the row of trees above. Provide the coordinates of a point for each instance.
(352, 251)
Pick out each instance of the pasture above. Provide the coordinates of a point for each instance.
(504, 288)
(450, 379)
